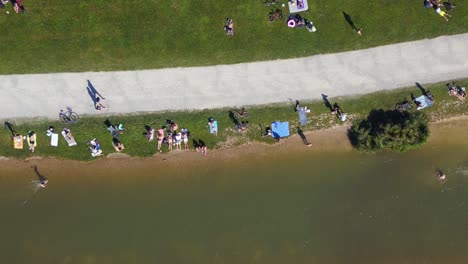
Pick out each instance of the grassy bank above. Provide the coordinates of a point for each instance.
(196, 121)
(101, 35)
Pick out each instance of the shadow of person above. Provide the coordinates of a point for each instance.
(303, 137)
(201, 143)
(423, 90)
(11, 128)
(327, 103)
(40, 177)
(195, 143)
(348, 19)
(92, 95)
(234, 119)
(93, 90)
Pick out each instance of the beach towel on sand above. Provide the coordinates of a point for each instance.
(18, 142)
(215, 125)
(70, 142)
(54, 139)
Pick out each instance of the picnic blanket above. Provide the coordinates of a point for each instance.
(301, 111)
(18, 142)
(214, 125)
(280, 129)
(54, 139)
(70, 142)
(424, 102)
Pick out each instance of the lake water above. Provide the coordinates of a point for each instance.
(280, 206)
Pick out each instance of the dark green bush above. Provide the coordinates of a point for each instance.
(390, 129)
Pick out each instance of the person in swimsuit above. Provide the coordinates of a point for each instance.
(178, 140)
(160, 137)
(32, 140)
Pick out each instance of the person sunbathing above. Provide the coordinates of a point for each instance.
(229, 27)
(68, 133)
(160, 137)
(118, 146)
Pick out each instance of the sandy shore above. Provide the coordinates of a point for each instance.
(329, 140)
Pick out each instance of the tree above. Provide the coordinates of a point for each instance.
(391, 129)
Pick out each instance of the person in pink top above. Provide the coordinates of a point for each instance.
(160, 137)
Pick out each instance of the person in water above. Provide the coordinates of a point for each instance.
(440, 175)
(43, 183)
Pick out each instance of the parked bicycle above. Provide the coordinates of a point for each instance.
(404, 106)
(68, 117)
(240, 112)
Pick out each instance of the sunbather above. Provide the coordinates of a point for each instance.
(229, 27)
(68, 133)
(118, 146)
(172, 125)
(149, 134)
(32, 140)
(169, 141)
(178, 140)
(185, 138)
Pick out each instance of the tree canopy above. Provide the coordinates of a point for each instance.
(390, 129)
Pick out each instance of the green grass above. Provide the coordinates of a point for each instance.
(196, 121)
(103, 35)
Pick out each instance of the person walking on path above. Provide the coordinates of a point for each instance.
(95, 96)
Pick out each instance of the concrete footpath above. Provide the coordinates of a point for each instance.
(347, 73)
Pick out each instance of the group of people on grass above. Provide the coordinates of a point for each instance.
(17, 5)
(437, 6)
(169, 135)
(456, 90)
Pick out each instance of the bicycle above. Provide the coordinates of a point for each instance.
(68, 117)
(277, 14)
(240, 112)
(403, 106)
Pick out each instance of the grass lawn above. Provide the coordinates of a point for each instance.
(103, 35)
(196, 121)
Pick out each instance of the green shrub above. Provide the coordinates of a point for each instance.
(390, 129)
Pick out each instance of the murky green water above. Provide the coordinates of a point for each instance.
(304, 207)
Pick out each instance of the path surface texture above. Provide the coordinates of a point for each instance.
(347, 73)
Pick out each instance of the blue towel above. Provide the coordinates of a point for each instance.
(424, 101)
(215, 124)
(280, 129)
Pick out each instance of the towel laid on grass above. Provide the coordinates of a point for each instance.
(70, 142)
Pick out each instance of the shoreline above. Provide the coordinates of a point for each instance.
(333, 139)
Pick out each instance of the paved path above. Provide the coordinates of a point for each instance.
(346, 73)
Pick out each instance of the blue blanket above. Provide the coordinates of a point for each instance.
(215, 125)
(280, 129)
(424, 102)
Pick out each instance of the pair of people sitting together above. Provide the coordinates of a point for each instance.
(456, 90)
